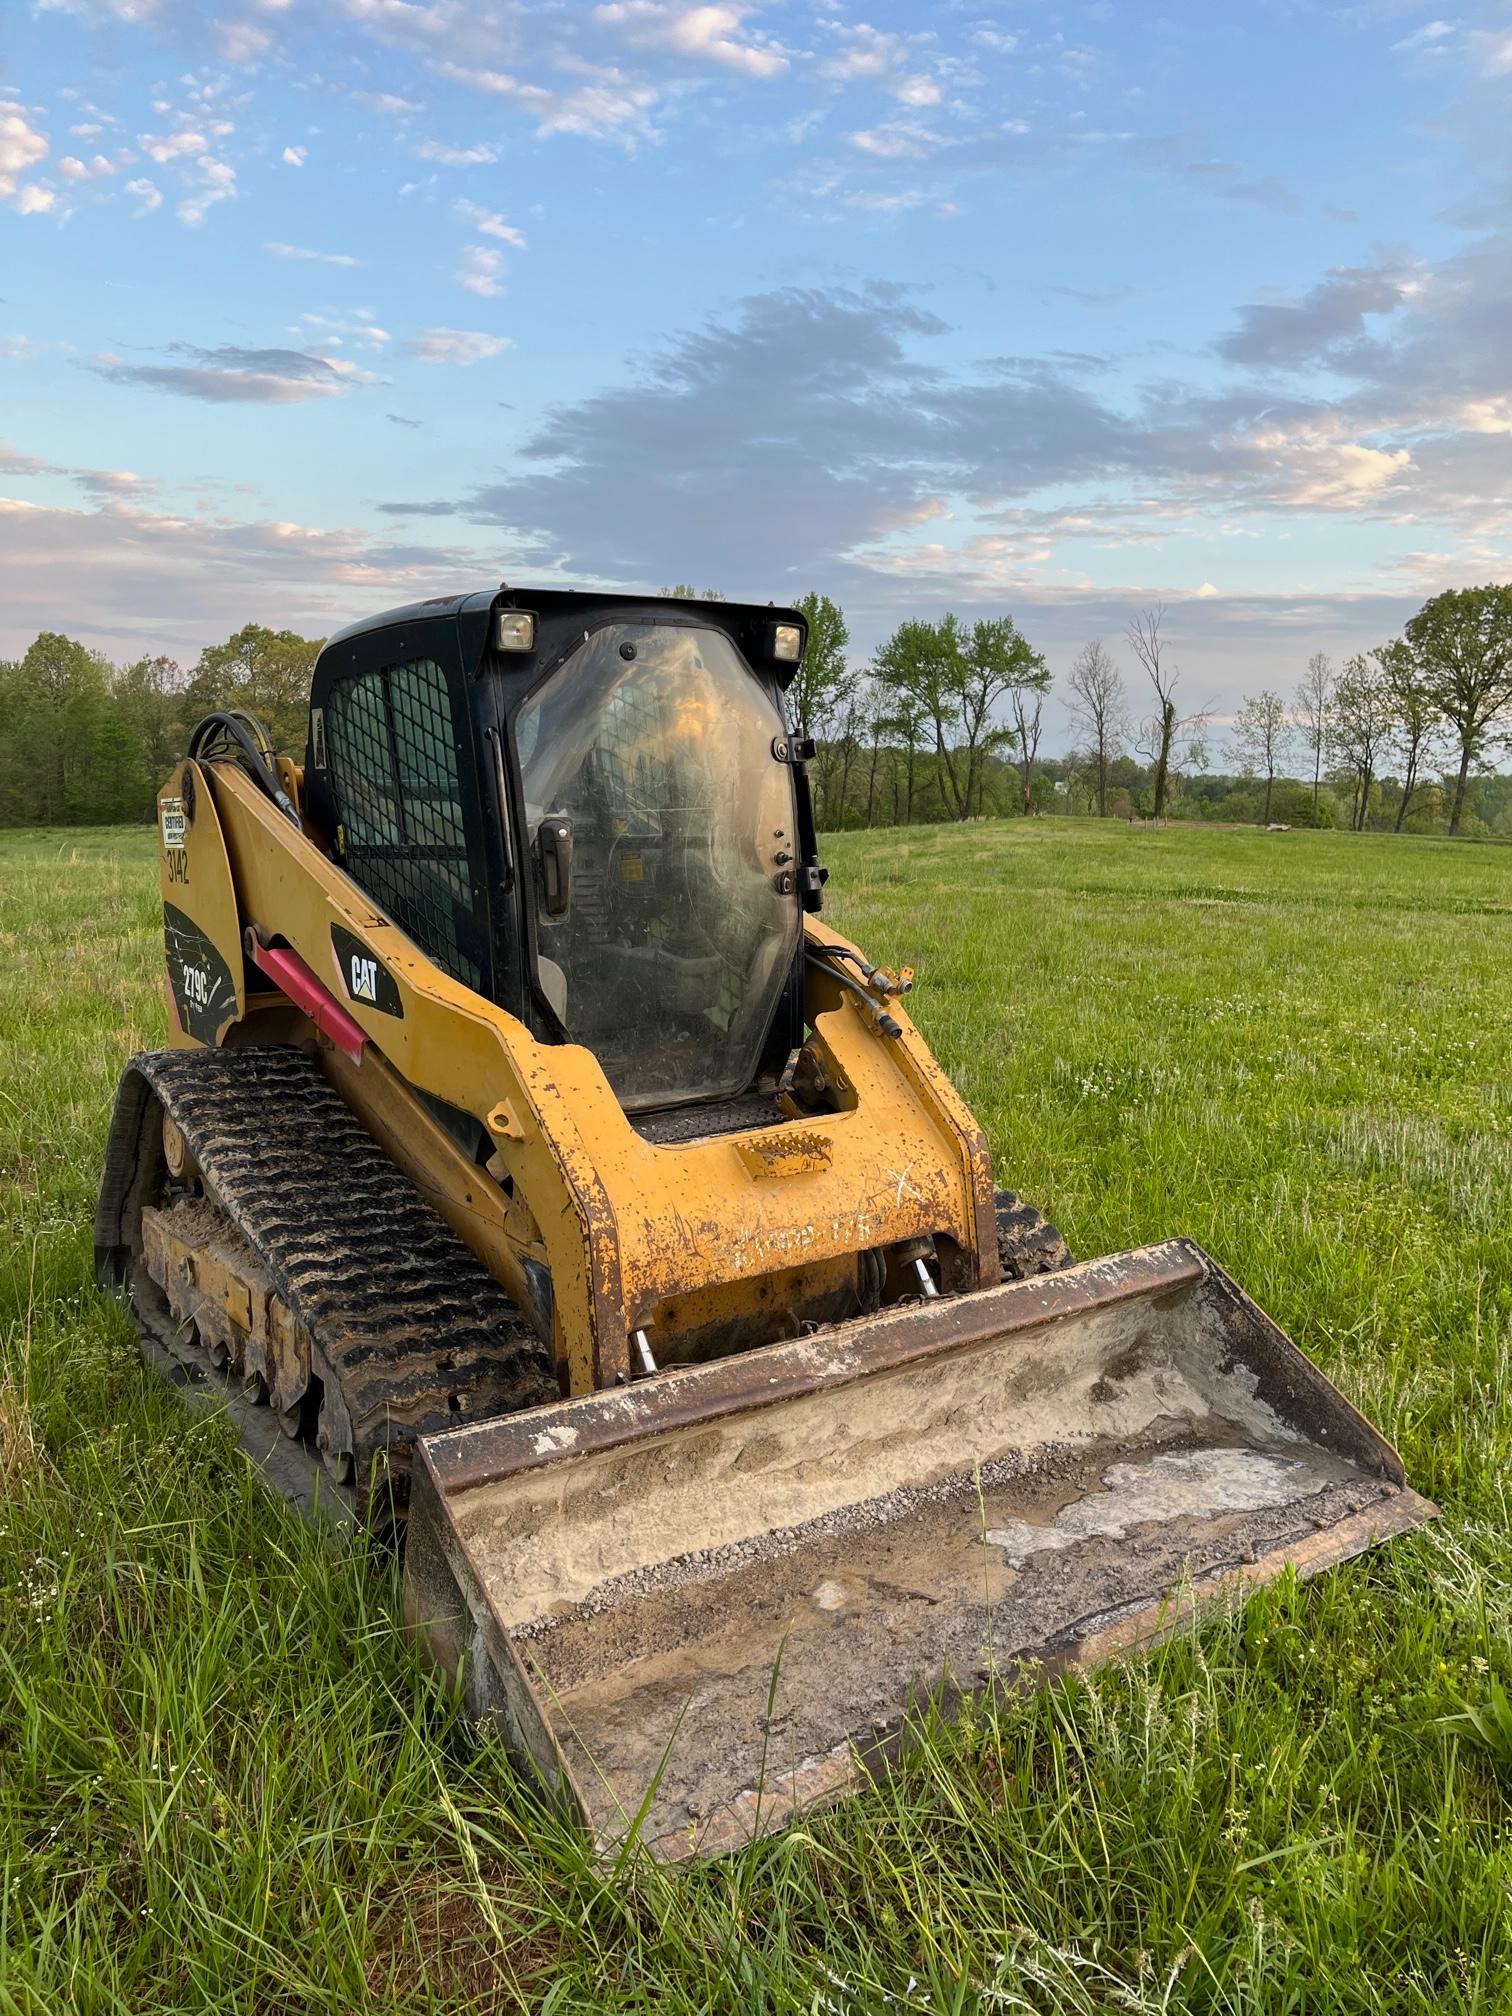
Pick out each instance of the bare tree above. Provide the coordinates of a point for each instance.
(1360, 723)
(1027, 704)
(1159, 732)
(1417, 726)
(1314, 707)
(875, 728)
(1262, 735)
(844, 752)
(1100, 710)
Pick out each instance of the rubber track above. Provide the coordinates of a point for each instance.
(406, 1322)
(1027, 1242)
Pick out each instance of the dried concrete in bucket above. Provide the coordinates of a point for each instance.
(929, 1525)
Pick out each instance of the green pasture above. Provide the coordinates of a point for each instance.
(228, 1783)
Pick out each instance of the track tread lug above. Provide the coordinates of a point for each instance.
(381, 1282)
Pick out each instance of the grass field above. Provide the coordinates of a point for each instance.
(227, 1783)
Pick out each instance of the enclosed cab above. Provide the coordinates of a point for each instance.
(589, 809)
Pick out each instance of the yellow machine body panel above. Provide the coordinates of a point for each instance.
(636, 1235)
(205, 979)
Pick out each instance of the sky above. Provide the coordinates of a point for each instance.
(310, 307)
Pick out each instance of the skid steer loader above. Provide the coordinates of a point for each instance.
(532, 1170)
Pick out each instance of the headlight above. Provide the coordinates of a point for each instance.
(517, 630)
(787, 642)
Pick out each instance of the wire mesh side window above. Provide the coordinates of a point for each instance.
(393, 759)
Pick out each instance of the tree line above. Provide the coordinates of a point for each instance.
(944, 723)
(87, 742)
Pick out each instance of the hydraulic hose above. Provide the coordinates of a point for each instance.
(253, 759)
(879, 1015)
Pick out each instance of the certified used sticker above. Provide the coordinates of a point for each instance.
(172, 812)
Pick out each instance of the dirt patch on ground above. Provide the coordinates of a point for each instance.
(475, 1946)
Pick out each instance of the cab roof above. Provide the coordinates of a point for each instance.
(746, 622)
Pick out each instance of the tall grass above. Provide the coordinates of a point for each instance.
(227, 1782)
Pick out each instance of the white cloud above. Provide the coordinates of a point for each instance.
(241, 41)
(1430, 36)
(712, 33)
(1493, 52)
(35, 199)
(110, 482)
(72, 169)
(870, 55)
(918, 91)
(132, 12)
(149, 196)
(295, 157)
(490, 224)
(455, 346)
(303, 252)
(325, 332)
(1315, 471)
(387, 101)
(165, 147)
(903, 140)
(609, 106)
(21, 147)
(867, 53)
(456, 157)
(1488, 416)
(481, 271)
(217, 185)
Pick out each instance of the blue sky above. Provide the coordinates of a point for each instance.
(309, 306)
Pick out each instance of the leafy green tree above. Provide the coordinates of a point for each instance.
(1000, 663)
(1462, 641)
(954, 677)
(904, 728)
(1359, 726)
(920, 663)
(1261, 739)
(266, 672)
(822, 677)
(150, 701)
(1292, 804)
(1416, 724)
(58, 768)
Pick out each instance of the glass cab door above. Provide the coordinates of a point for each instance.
(660, 822)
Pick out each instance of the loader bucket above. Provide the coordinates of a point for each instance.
(703, 1602)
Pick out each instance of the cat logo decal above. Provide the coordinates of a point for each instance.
(363, 974)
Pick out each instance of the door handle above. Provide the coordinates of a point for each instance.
(554, 846)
